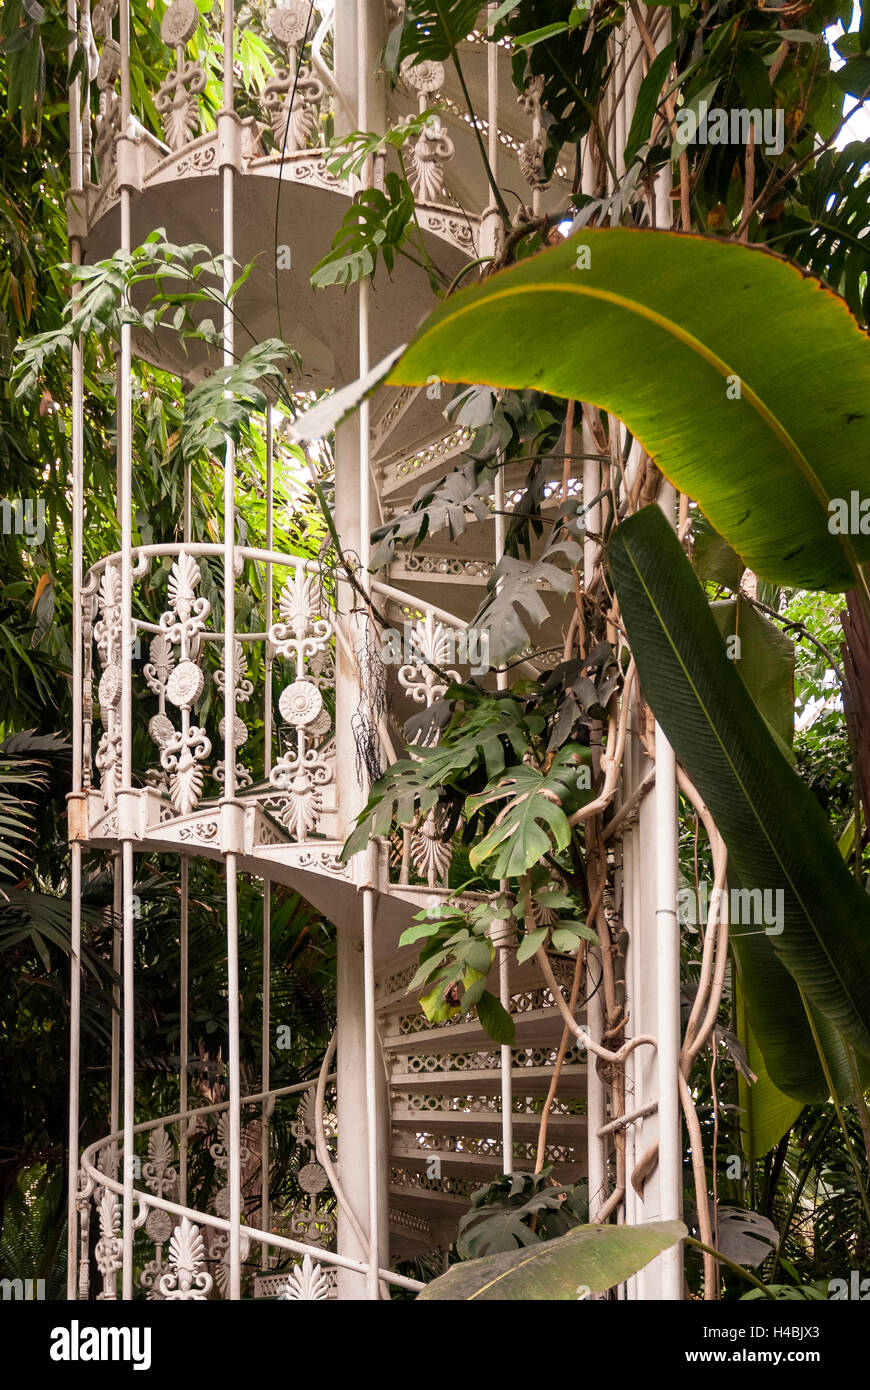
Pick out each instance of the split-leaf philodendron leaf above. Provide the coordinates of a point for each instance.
(745, 379)
(776, 833)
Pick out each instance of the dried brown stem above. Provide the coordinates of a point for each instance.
(611, 759)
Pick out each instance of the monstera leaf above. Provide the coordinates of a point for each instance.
(746, 1237)
(399, 794)
(532, 819)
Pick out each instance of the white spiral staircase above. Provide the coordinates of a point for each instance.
(443, 1110)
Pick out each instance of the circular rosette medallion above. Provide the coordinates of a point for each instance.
(185, 684)
(161, 729)
(300, 704)
(288, 22)
(179, 23)
(312, 1178)
(158, 1224)
(321, 725)
(240, 731)
(426, 77)
(110, 687)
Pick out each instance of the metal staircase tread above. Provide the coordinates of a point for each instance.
(533, 1027)
(530, 1081)
(402, 1000)
(407, 1244)
(427, 1202)
(484, 1166)
(476, 1122)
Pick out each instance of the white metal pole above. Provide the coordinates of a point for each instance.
(188, 502)
(372, 1062)
(183, 1029)
(596, 1112)
(125, 488)
(356, 1126)
(234, 1172)
(502, 951)
(129, 1074)
(115, 1059)
(184, 924)
(668, 994)
(373, 1049)
(491, 216)
(626, 874)
(74, 1047)
(266, 1081)
(492, 104)
(596, 1100)
(506, 1060)
(77, 452)
(267, 886)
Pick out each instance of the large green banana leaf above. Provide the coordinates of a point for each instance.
(587, 1260)
(765, 664)
(778, 1019)
(777, 836)
(746, 380)
(766, 1112)
(764, 659)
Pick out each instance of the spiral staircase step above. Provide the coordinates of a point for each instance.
(527, 1081)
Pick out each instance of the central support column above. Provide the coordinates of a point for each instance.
(359, 27)
(353, 1164)
(350, 1066)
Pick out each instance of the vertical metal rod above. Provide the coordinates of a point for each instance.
(373, 1049)
(183, 1031)
(124, 38)
(615, 99)
(76, 161)
(506, 1059)
(668, 1002)
(184, 922)
(595, 1106)
(492, 105)
(129, 1075)
(125, 488)
(235, 1167)
(663, 207)
(372, 1060)
(503, 953)
(668, 991)
(77, 407)
(74, 1045)
(500, 532)
(128, 988)
(595, 1094)
(234, 1173)
(373, 1052)
(270, 541)
(267, 886)
(115, 1060)
(188, 502)
(266, 1030)
(632, 1204)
